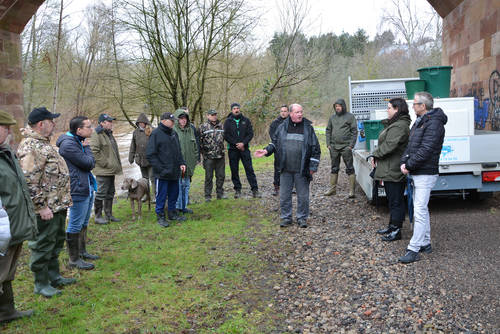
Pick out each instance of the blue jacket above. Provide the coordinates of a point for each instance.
(80, 161)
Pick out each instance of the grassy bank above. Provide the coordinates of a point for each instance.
(194, 275)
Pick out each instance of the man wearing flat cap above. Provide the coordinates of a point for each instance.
(164, 154)
(108, 164)
(48, 181)
(16, 200)
(238, 133)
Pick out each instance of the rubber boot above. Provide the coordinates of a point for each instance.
(333, 185)
(8, 311)
(99, 219)
(108, 210)
(352, 185)
(83, 247)
(73, 242)
(161, 220)
(173, 215)
(55, 275)
(42, 285)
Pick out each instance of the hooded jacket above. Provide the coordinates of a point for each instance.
(187, 140)
(140, 137)
(105, 149)
(392, 143)
(80, 162)
(164, 153)
(241, 133)
(16, 198)
(342, 129)
(311, 151)
(426, 141)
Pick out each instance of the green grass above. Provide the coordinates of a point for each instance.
(194, 275)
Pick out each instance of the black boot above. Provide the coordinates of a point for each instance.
(83, 246)
(388, 229)
(161, 220)
(108, 210)
(8, 311)
(276, 191)
(173, 215)
(42, 284)
(393, 236)
(73, 242)
(99, 219)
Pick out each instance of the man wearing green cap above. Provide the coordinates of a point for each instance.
(20, 211)
(47, 177)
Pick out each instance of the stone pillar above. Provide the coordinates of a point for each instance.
(11, 79)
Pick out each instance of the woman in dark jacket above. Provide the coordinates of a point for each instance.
(392, 143)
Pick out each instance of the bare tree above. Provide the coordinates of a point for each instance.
(58, 48)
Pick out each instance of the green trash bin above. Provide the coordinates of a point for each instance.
(437, 80)
(413, 86)
(372, 130)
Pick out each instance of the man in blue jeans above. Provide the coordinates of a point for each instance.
(164, 154)
(74, 147)
(421, 161)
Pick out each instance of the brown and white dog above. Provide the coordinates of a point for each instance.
(137, 189)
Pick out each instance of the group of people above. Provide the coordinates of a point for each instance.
(42, 183)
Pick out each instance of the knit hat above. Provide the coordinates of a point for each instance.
(235, 104)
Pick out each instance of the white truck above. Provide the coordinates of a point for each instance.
(470, 159)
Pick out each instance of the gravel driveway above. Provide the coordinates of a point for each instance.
(339, 277)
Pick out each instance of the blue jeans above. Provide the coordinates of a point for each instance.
(164, 189)
(183, 198)
(79, 214)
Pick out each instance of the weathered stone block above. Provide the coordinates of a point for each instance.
(476, 51)
(475, 12)
(486, 66)
(495, 44)
(489, 25)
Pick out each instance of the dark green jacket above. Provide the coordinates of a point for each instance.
(392, 143)
(106, 154)
(187, 139)
(342, 129)
(16, 199)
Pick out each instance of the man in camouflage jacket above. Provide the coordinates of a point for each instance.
(212, 149)
(47, 177)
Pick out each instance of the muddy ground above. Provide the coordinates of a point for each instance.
(337, 276)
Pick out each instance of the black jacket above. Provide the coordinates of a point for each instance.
(424, 146)
(311, 151)
(241, 134)
(80, 161)
(164, 153)
(274, 125)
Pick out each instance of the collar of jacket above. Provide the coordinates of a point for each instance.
(30, 133)
(165, 128)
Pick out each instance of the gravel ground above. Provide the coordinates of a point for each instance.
(339, 277)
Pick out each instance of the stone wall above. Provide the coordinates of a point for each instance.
(471, 44)
(11, 78)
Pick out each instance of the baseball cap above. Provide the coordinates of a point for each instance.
(105, 117)
(40, 114)
(212, 112)
(167, 115)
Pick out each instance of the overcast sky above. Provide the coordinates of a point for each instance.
(324, 15)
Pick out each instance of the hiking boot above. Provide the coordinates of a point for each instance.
(302, 223)
(161, 220)
(208, 199)
(186, 210)
(387, 230)
(256, 194)
(425, 249)
(223, 196)
(173, 215)
(276, 191)
(237, 193)
(393, 236)
(409, 257)
(285, 222)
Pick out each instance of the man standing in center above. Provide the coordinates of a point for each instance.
(107, 165)
(238, 133)
(212, 149)
(164, 154)
(341, 135)
(272, 129)
(298, 152)
(47, 177)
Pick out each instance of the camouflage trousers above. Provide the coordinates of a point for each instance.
(49, 242)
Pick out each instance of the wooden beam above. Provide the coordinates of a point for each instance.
(444, 7)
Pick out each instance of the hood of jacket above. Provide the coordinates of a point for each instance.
(436, 113)
(342, 103)
(181, 112)
(142, 118)
(30, 133)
